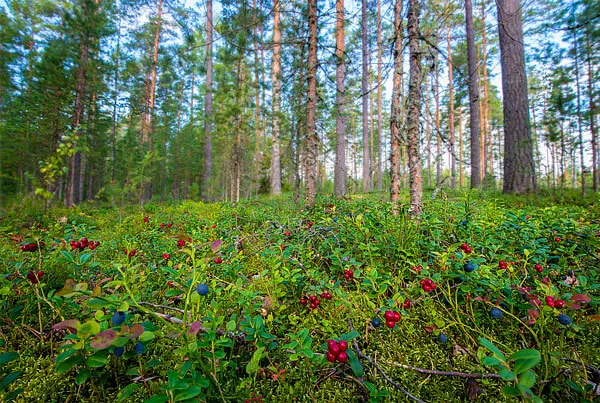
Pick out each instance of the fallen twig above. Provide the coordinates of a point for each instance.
(374, 364)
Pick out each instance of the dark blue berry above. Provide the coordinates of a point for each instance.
(118, 318)
(202, 289)
(376, 322)
(495, 313)
(118, 351)
(564, 319)
(469, 267)
(442, 338)
(139, 347)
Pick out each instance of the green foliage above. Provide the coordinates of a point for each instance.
(251, 335)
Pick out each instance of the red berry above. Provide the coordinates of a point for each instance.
(390, 323)
(146, 219)
(313, 305)
(330, 357)
(464, 246)
(559, 303)
(312, 298)
(397, 316)
(218, 260)
(303, 301)
(282, 246)
(169, 225)
(166, 256)
(287, 233)
(323, 295)
(342, 357)
(343, 345)
(538, 267)
(406, 304)
(433, 286)
(388, 315)
(550, 301)
(546, 280)
(427, 288)
(557, 239)
(309, 225)
(76, 245)
(162, 225)
(351, 273)
(428, 281)
(328, 295)
(83, 241)
(132, 253)
(417, 269)
(333, 347)
(214, 226)
(317, 302)
(422, 282)
(181, 243)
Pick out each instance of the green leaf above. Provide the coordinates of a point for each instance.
(491, 361)
(525, 360)
(4, 382)
(95, 361)
(97, 303)
(82, 376)
(188, 393)
(65, 354)
(89, 328)
(527, 379)
(84, 258)
(146, 336)
(510, 391)
(349, 336)
(68, 364)
(488, 344)
(355, 364)
(507, 374)
(128, 390)
(254, 364)
(157, 399)
(7, 357)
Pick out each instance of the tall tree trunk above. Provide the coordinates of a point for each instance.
(451, 139)
(113, 148)
(414, 108)
(275, 154)
(379, 91)
(257, 105)
(427, 129)
(312, 139)
(519, 170)
(438, 139)
(148, 120)
(460, 148)
(473, 98)
(340, 120)
(73, 195)
(487, 166)
(592, 103)
(396, 113)
(366, 171)
(208, 101)
(579, 118)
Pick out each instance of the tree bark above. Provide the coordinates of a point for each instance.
(414, 108)
(592, 103)
(366, 171)
(208, 104)
(579, 117)
(519, 170)
(379, 91)
(473, 82)
(340, 120)
(396, 113)
(451, 139)
(275, 152)
(312, 139)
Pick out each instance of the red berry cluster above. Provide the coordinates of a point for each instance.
(428, 285)
(503, 265)
(391, 318)
(349, 275)
(84, 243)
(287, 233)
(551, 302)
(34, 277)
(181, 243)
(538, 267)
(218, 260)
(163, 225)
(146, 219)
(166, 256)
(466, 248)
(29, 247)
(336, 351)
(417, 269)
(313, 302)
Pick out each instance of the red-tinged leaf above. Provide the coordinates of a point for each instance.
(172, 335)
(70, 324)
(104, 339)
(428, 329)
(69, 288)
(195, 327)
(135, 331)
(574, 306)
(581, 298)
(216, 245)
(533, 315)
